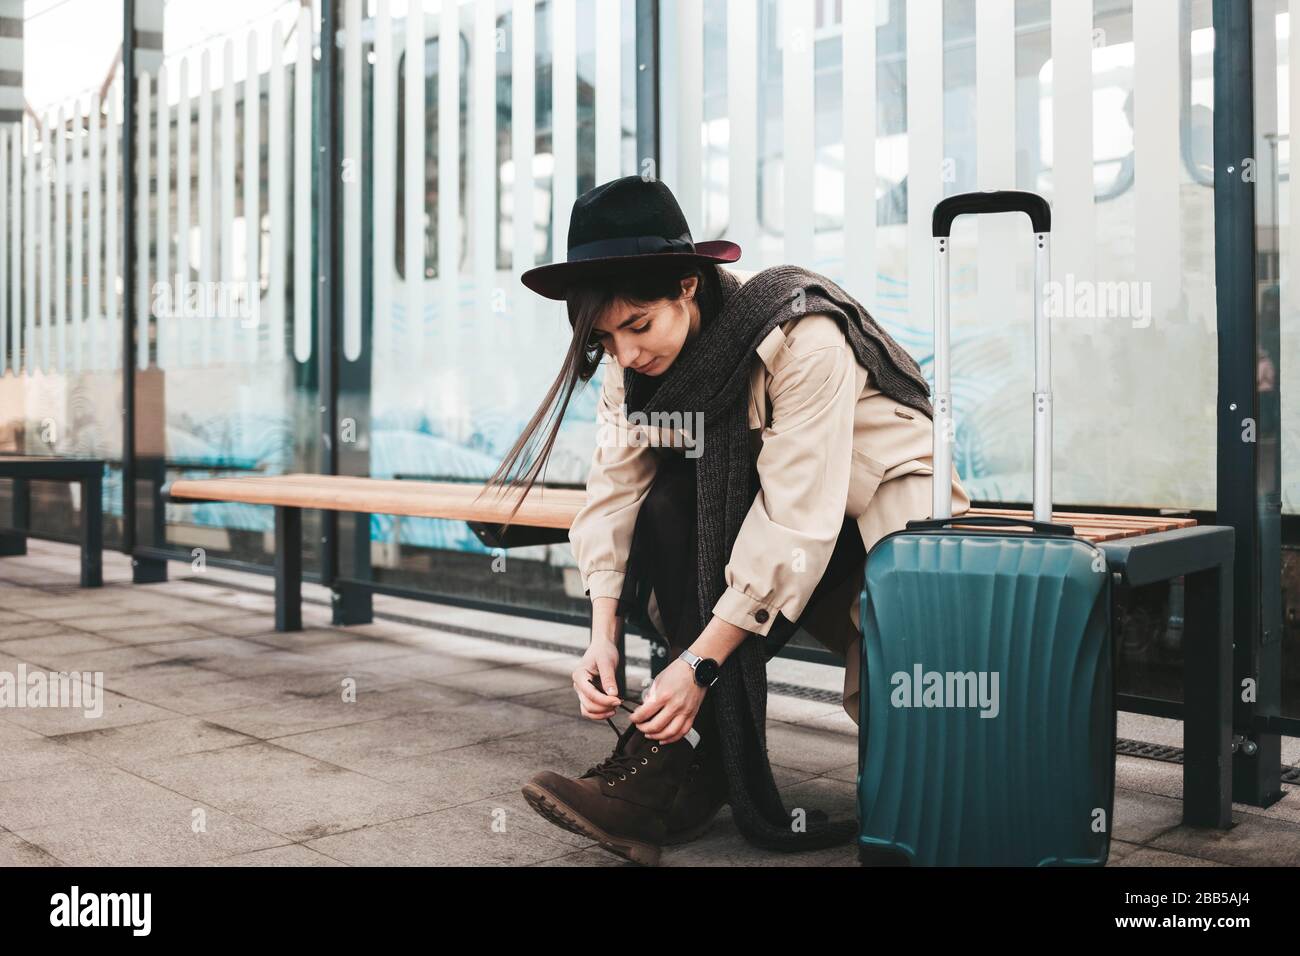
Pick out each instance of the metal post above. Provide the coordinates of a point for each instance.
(647, 84)
(1256, 584)
(329, 264)
(129, 252)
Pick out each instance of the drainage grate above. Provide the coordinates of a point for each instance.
(1140, 748)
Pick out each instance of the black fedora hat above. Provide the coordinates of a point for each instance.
(620, 223)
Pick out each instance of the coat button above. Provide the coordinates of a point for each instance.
(760, 615)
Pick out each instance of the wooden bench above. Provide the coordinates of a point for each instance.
(1139, 549)
(544, 517)
(86, 472)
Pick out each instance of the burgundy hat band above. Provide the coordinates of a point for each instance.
(630, 246)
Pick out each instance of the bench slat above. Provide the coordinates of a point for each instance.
(544, 507)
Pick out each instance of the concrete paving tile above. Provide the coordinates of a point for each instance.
(336, 647)
(14, 596)
(28, 627)
(476, 835)
(10, 617)
(15, 851)
(238, 625)
(167, 634)
(796, 710)
(506, 682)
(10, 732)
(373, 743)
(848, 773)
(1140, 817)
(809, 748)
(70, 609)
(40, 756)
(1253, 841)
(63, 644)
(293, 854)
(77, 794)
(1146, 856)
(175, 832)
(124, 621)
(1119, 850)
(236, 657)
(1149, 776)
(594, 856)
(286, 719)
(284, 792)
(136, 745)
(117, 711)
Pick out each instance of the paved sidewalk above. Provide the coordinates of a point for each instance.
(222, 742)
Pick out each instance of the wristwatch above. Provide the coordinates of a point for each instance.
(706, 668)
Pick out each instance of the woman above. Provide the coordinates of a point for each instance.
(788, 432)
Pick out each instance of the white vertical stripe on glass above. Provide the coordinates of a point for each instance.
(143, 118)
(47, 257)
(523, 141)
(78, 314)
(7, 281)
(924, 148)
(112, 226)
(385, 191)
(995, 153)
(1074, 233)
(60, 247)
(95, 254)
(688, 108)
(609, 92)
(413, 188)
(742, 124)
(277, 186)
(29, 246)
(859, 124)
(164, 323)
(1156, 168)
(564, 124)
(251, 320)
(204, 216)
(184, 321)
(449, 194)
(227, 189)
(353, 170)
(484, 168)
(1291, 276)
(15, 226)
(302, 265)
(798, 154)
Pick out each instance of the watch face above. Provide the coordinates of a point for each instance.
(706, 671)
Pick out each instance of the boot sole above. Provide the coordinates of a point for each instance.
(554, 809)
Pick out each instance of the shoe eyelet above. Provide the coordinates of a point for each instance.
(622, 776)
(654, 750)
(633, 770)
(610, 782)
(644, 760)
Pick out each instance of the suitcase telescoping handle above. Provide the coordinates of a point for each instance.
(1040, 217)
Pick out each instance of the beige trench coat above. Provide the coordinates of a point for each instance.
(828, 444)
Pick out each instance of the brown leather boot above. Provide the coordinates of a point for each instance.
(702, 794)
(624, 801)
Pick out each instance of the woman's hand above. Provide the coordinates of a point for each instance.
(667, 715)
(600, 660)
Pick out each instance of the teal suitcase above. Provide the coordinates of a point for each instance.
(987, 722)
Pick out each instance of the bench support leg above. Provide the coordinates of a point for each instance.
(148, 571)
(352, 604)
(288, 569)
(1207, 699)
(92, 532)
(14, 542)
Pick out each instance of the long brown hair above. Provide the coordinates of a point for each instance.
(587, 302)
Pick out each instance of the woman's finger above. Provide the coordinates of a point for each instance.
(583, 685)
(656, 725)
(676, 730)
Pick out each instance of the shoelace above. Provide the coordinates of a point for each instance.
(618, 765)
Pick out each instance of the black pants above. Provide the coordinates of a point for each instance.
(664, 558)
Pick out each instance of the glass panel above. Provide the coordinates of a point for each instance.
(60, 265)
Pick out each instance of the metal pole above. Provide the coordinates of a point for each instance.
(1257, 767)
(129, 252)
(328, 259)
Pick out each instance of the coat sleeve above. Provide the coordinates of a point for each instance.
(619, 478)
(804, 466)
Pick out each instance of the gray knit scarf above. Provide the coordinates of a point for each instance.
(710, 376)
